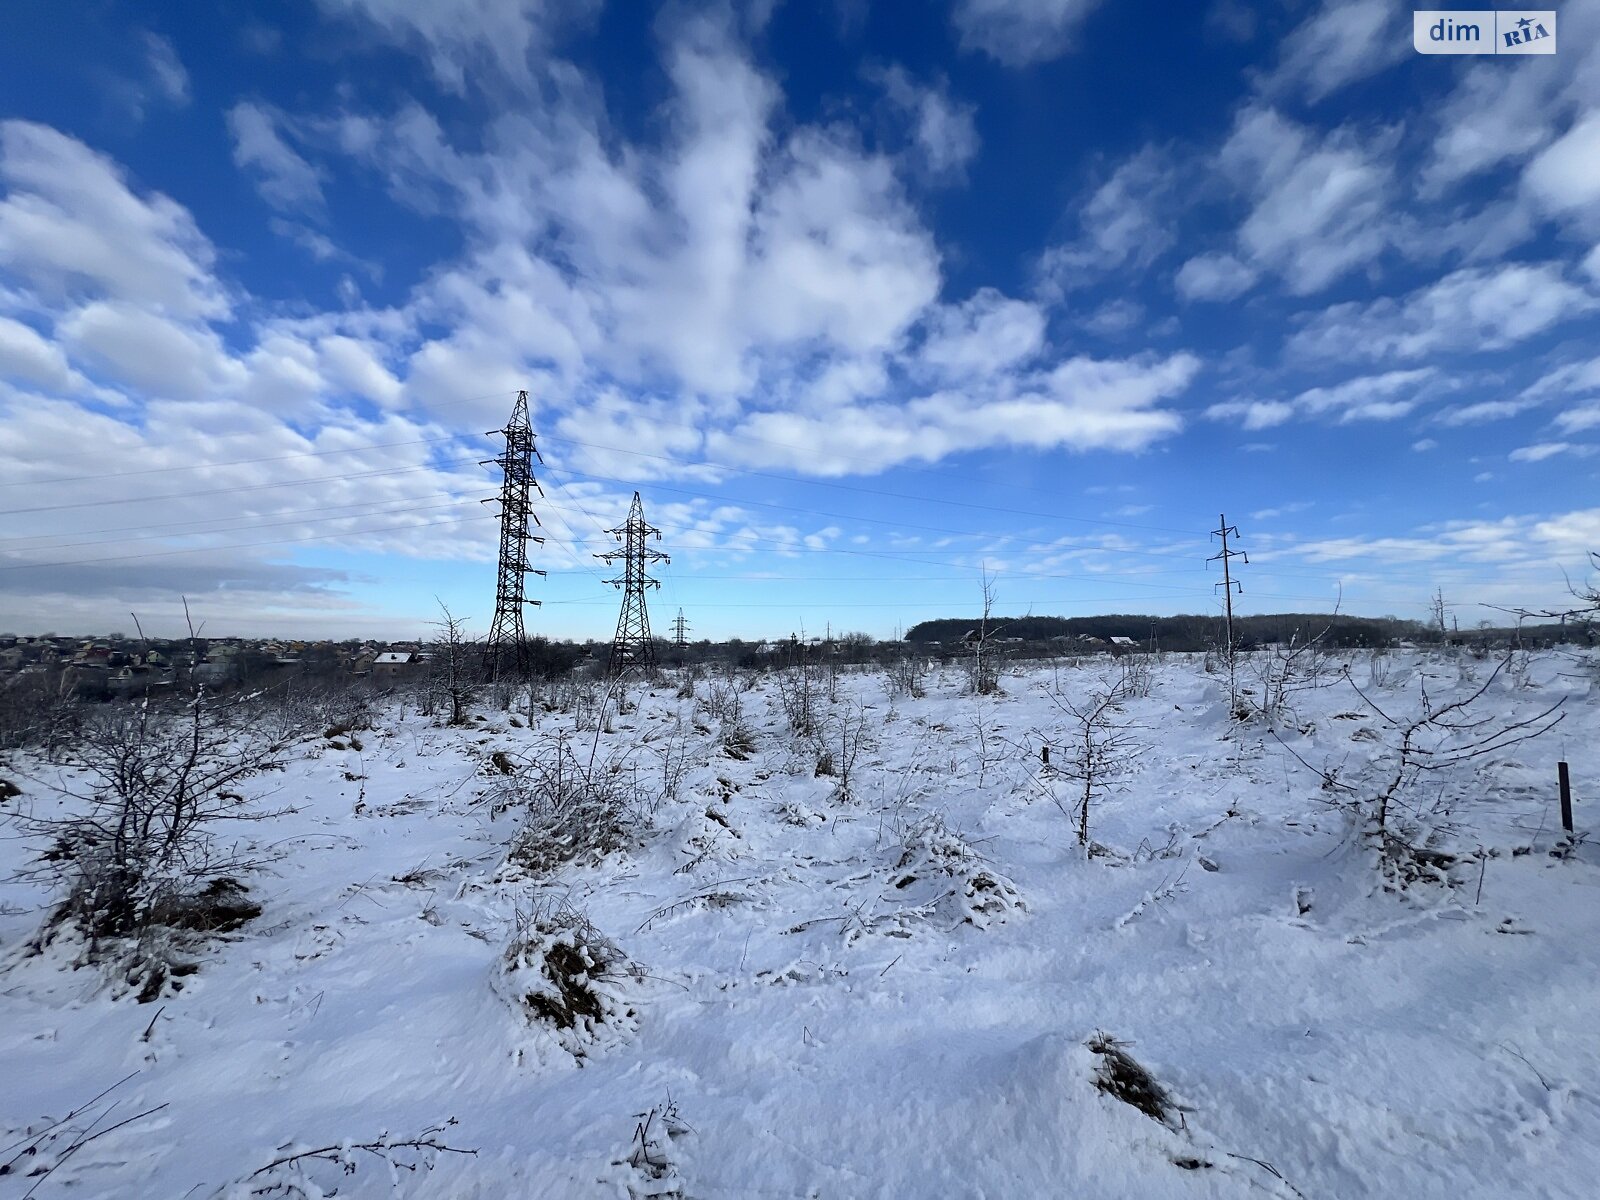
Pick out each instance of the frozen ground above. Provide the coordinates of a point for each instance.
(813, 1012)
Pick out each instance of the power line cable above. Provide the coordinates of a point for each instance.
(241, 545)
(228, 491)
(144, 537)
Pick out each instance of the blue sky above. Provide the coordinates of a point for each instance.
(862, 304)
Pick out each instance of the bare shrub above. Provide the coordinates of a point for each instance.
(138, 843)
(1431, 761)
(907, 675)
(1124, 1078)
(722, 701)
(579, 807)
(841, 737)
(738, 741)
(47, 1146)
(672, 752)
(303, 1172)
(1135, 678)
(799, 696)
(651, 1156)
(38, 711)
(1285, 672)
(302, 708)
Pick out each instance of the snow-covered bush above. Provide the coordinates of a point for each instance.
(907, 676)
(724, 704)
(722, 701)
(841, 737)
(937, 874)
(799, 696)
(672, 755)
(1283, 673)
(578, 806)
(565, 977)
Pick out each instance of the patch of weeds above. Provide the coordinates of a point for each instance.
(220, 907)
(738, 742)
(651, 1160)
(1124, 1078)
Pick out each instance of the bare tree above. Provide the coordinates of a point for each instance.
(985, 671)
(454, 671)
(1095, 753)
(1585, 611)
(1432, 760)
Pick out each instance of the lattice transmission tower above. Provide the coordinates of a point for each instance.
(632, 647)
(507, 647)
(680, 631)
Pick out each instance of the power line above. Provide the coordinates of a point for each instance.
(799, 481)
(79, 562)
(181, 526)
(238, 462)
(145, 537)
(847, 487)
(276, 458)
(228, 491)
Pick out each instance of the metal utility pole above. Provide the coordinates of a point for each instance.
(680, 631)
(632, 647)
(507, 647)
(1228, 584)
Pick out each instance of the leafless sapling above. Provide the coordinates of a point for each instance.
(1095, 754)
(454, 668)
(1432, 759)
(984, 676)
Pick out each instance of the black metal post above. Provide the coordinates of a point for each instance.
(1566, 796)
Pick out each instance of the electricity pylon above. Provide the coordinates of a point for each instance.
(507, 647)
(1228, 584)
(632, 647)
(680, 631)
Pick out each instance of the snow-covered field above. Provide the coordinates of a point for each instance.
(882, 993)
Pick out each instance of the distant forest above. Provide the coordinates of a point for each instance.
(1200, 632)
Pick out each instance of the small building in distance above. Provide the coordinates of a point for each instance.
(394, 663)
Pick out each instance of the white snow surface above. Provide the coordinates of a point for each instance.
(819, 1031)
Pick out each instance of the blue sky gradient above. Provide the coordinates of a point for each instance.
(863, 305)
